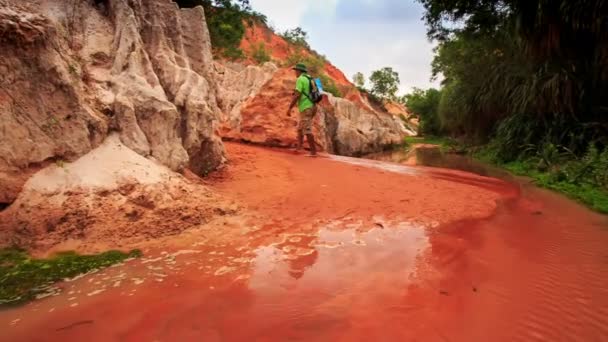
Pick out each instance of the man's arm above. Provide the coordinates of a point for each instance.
(296, 97)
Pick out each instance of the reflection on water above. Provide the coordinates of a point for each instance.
(366, 162)
(433, 157)
(335, 274)
(536, 270)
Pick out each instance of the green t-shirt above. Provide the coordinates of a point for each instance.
(303, 86)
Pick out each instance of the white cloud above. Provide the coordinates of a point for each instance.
(282, 14)
(288, 14)
(361, 35)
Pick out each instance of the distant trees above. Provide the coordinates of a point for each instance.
(359, 80)
(385, 83)
(425, 105)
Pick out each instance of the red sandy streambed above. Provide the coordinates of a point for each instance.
(341, 249)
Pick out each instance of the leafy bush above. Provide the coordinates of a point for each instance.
(314, 64)
(233, 53)
(329, 85)
(226, 23)
(254, 17)
(226, 30)
(259, 53)
(297, 37)
(592, 168)
(555, 167)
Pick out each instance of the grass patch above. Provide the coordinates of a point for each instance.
(23, 278)
(564, 176)
(591, 195)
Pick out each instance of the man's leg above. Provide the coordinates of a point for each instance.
(301, 127)
(309, 117)
(311, 142)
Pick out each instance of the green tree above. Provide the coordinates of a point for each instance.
(521, 71)
(359, 79)
(385, 83)
(425, 105)
(297, 37)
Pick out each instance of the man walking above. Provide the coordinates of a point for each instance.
(306, 108)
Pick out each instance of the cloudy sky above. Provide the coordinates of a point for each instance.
(361, 35)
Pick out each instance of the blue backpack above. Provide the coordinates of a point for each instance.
(315, 90)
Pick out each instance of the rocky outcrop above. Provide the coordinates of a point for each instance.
(254, 100)
(399, 110)
(236, 84)
(360, 131)
(72, 71)
(102, 101)
(110, 198)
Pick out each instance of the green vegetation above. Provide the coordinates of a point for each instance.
(259, 53)
(232, 53)
(316, 67)
(359, 80)
(520, 72)
(329, 85)
(424, 104)
(527, 80)
(314, 64)
(584, 179)
(385, 83)
(23, 278)
(226, 20)
(296, 37)
(384, 86)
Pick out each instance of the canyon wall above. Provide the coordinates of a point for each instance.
(72, 71)
(254, 101)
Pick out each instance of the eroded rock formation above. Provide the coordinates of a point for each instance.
(102, 101)
(71, 71)
(110, 198)
(254, 100)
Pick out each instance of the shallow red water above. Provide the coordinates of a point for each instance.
(535, 270)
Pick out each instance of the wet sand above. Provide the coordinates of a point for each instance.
(337, 249)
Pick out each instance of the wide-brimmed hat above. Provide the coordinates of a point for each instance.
(300, 67)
